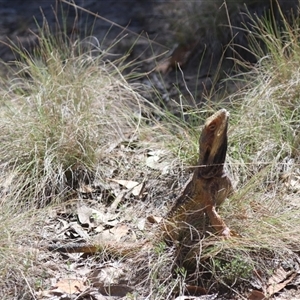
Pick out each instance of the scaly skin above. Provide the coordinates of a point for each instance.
(209, 186)
(207, 189)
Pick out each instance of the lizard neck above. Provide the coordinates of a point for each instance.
(212, 157)
(208, 172)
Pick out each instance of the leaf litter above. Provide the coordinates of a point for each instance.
(86, 218)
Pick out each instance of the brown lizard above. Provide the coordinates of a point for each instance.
(207, 189)
(209, 185)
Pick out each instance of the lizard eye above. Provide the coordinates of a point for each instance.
(212, 127)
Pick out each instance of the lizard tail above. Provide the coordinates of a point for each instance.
(115, 249)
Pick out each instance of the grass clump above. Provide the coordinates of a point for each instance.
(64, 110)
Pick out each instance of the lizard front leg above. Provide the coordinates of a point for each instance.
(216, 221)
(220, 188)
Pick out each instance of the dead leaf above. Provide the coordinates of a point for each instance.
(43, 294)
(65, 225)
(79, 230)
(137, 190)
(70, 286)
(279, 280)
(86, 189)
(204, 297)
(110, 273)
(92, 293)
(93, 217)
(154, 219)
(116, 290)
(256, 295)
(141, 223)
(117, 200)
(105, 235)
(119, 231)
(99, 228)
(278, 276)
(195, 290)
(108, 280)
(85, 215)
(155, 162)
(135, 187)
(126, 183)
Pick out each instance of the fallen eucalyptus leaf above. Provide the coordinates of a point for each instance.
(154, 219)
(69, 286)
(279, 280)
(137, 190)
(256, 295)
(93, 217)
(119, 231)
(126, 183)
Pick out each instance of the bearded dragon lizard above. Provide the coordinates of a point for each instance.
(207, 189)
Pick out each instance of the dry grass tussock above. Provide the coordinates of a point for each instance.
(64, 112)
(265, 138)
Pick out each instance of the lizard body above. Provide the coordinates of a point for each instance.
(209, 186)
(207, 189)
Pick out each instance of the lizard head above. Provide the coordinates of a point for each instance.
(213, 145)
